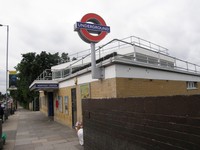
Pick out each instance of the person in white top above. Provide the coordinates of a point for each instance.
(79, 130)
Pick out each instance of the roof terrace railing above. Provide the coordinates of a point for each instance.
(176, 64)
(45, 75)
(116, 45)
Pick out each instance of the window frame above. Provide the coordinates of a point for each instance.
(191, 85)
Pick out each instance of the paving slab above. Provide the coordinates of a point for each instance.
(32, 130)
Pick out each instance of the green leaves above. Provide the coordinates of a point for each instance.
(30, 67)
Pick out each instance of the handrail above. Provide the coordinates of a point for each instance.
(45, 75)
(140, 40)
(132, 41)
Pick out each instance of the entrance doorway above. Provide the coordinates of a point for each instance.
(50, 104)
(74, 108)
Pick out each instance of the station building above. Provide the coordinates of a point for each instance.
(131, 67)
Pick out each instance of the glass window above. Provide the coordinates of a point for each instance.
(191, 85)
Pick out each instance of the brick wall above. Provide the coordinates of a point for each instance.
(126, 87)
(103, 88)
(149, 123)
(62, 117)
(43, 104)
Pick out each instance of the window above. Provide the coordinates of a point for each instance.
(66, 104)
(141, 58)
(191, 85)
(60, 104)
(146, 59)
(153, 60)
(56, 74)
(166, 63)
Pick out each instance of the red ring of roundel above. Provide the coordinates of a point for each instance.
(86, 35)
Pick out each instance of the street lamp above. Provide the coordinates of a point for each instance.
(7, 26)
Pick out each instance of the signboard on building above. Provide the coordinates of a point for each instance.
(89, 25)
(85, 91)
(12, 80)
(66, 105)
(46, 85)
(92, 29)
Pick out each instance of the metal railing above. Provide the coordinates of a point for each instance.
(177, 65)
(45, 75)
(118, 46)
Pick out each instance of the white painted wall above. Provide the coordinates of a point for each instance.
(128, 71)
(124, 71)
(110, 72)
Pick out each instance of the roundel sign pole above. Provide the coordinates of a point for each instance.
(92, 29)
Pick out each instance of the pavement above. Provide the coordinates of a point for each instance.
(32, 130)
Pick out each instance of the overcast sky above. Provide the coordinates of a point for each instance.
(47, 25)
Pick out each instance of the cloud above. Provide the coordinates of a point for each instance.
(41, 25)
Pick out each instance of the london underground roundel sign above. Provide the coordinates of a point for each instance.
(92, 28)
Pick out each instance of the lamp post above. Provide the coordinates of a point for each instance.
(7, 26)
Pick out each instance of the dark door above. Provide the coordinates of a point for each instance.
(74, 110)
(50, 104)
(36, 104)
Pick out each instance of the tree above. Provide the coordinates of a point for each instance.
(30, 67)
(25, 75)
(64, 58)
(74, 58)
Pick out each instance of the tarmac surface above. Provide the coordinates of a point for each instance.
(32, 130)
